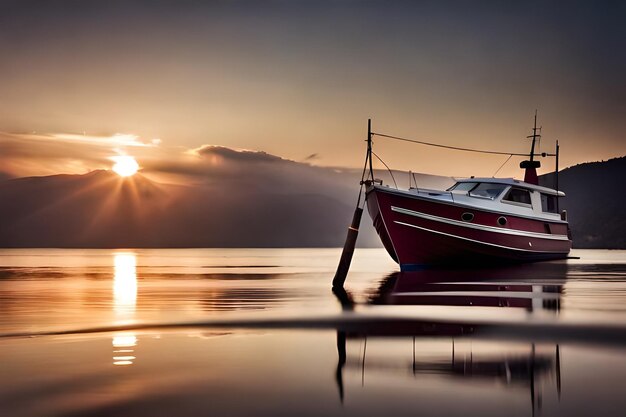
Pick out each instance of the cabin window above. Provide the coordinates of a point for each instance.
(518, 195)
(487, 190)
(548, 203)
(463, 186)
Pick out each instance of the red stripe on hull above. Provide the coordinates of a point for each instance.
(414, 240)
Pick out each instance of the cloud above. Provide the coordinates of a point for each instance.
(30, 155)
(118, 139)
(212, 164)
(235, 155)
(209, 165)
(34, 154)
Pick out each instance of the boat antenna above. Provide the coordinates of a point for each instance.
(556, 175)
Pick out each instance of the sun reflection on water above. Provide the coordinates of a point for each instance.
(124, 303)
(125, 284)
(123, 349)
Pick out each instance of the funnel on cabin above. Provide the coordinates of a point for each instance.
(530, 175)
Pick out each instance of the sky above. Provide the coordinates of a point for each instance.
(83, 81)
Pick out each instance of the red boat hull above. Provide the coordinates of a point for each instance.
(418, 231)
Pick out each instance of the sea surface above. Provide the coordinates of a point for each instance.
(233, 332)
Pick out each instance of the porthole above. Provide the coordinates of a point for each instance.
(467, 217)
(502, 221)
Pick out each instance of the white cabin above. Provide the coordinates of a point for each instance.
(505, 195)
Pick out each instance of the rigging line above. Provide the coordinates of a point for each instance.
(452, 147)
(498, 170)
(392, 177)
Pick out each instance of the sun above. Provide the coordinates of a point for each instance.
(125, 166)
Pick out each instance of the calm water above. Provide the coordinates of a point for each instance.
(258, 332)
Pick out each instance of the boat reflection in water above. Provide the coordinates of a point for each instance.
(536, 288)
(458, 350)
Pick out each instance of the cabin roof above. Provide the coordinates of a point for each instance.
(514, 182)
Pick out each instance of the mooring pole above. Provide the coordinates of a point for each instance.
(348, 250)
(353, 230)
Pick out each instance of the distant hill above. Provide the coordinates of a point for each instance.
(595, 202)
(100, 209)
(278, 204)
(287, 205)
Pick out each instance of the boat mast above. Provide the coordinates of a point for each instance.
(369, 146)
(534, 136)
(530, 176)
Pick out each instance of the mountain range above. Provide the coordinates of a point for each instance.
(286, 204)
(594, 201)
(101, 209)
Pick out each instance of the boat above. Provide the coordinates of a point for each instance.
(476, 221)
